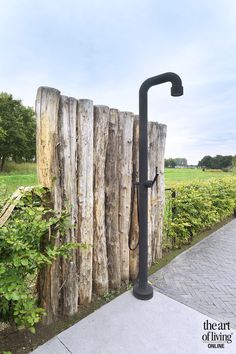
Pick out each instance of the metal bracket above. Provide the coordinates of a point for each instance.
(150, 183)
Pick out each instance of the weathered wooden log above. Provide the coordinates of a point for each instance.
(47, 106)
(100, 270)
(134, 227)
(157, 246)
(125, 134)
(152, 192)
(85, 197)
(156, 145)
(68, 177)
(112, 202)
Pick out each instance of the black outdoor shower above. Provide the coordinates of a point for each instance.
(142, 290)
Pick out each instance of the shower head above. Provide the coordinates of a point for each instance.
(176, 90)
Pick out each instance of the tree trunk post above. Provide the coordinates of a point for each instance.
(156, 146)
(112, 202)
(152, 192)
(161, 140)
(85, 198)
(125, 132)
(100, 271)
(134, 228)
(68, 177)
(47, 106)
(3, 159)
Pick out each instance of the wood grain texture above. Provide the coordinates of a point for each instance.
(68, 178)
(134, 227)
(156, 145)
(47, 106)
(125, 134)
(85, 197)
(100, 270)
(152, 192)
(161, 141)
(112, 202)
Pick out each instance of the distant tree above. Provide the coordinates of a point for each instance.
(17, 130)
(217, 162)
(181, 162)
(223, 161)
(206, 161)
(170, 163)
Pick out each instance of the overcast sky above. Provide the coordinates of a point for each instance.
(103, 50)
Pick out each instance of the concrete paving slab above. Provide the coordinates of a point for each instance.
(198, 285)
(130, 326)
(53, 346)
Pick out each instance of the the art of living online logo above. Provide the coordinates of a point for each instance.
(217, 334)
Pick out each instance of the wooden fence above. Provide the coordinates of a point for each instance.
(88, 156)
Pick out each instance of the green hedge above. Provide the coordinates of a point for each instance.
(197, 206)
(25, 249)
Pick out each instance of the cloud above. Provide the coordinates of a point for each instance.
(103, 50)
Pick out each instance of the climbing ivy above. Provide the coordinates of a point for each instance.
(22, 255)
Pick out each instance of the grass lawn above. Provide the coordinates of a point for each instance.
(177, 175)
(17, 175)
(24, 174)
(10, 183)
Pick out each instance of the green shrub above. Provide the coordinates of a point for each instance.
(197, 207)
(22, 255)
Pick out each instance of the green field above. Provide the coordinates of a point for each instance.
(16, 175)
(178, 175)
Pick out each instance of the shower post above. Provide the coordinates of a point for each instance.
(142, 289)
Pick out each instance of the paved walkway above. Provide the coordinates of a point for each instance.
(203, 278)
(130, 326)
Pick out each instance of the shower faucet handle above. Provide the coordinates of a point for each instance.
(150, 183)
